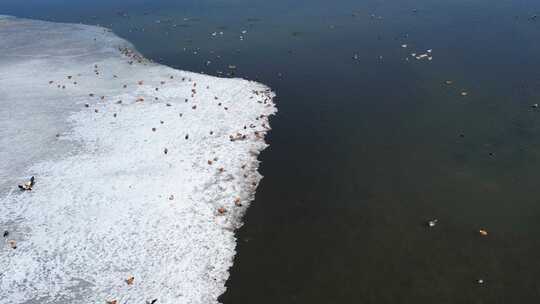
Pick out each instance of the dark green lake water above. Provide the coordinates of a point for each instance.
(364, 151)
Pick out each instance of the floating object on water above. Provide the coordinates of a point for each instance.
(28, 185)
(483, 232)
(432, 223)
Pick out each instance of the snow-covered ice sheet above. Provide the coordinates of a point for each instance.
(142, 171)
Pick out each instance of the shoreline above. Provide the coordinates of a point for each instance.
(158, 167)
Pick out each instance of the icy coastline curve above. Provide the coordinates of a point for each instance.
(143, 172)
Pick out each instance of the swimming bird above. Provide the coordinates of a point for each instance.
(432, 223)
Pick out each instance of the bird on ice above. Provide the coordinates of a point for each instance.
(28, 185)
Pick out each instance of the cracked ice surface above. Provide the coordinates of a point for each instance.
(109, 203)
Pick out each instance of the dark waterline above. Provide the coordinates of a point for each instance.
(364, 151)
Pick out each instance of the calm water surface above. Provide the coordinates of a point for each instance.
(364, 151)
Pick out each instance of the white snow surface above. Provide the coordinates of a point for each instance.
(108, 202)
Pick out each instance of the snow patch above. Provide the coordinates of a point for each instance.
(137, 173)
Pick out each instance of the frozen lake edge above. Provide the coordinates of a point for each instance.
(142, 170)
